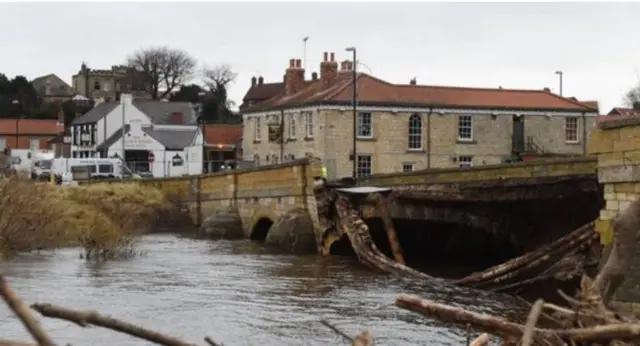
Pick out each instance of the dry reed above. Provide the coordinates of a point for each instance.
(104, 219)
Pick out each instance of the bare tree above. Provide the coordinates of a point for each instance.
(218, 76)
(160, 68)
(632, 96)
(217, 79)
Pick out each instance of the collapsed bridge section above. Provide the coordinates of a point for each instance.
(473, 227)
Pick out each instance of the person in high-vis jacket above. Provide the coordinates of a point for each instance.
(323, 173)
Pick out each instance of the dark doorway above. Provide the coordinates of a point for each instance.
(137, 160)
(517, 138)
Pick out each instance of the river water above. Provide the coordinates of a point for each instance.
(236, 293)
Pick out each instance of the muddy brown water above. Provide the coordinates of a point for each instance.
(237, 293)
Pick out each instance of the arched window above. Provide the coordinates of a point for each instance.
(415, 132)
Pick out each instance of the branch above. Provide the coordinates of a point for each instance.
(364, 339)
(15, 343)
(23, 313)
(337, 331)
(84, 318)
(482, 340)
(529, 328)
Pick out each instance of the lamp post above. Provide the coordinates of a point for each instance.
(560, 73)
(355, 116)
(198, 109)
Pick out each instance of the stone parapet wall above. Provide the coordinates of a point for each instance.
(617, 145)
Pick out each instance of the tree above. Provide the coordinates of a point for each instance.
(18, 98)
(157, 68)
(188, 93)
(217, 106)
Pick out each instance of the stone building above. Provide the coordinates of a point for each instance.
(52, 88)
(405, 127)
(105, 85)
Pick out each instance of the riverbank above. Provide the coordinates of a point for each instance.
(104, 219)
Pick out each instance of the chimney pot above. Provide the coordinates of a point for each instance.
(253, 81)
(547, 89)
(333, 56)
(326, 56)
(260, 80)
(314, 76)
(298, 63)
(292, 63)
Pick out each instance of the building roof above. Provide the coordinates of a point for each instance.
(61, 89)
(159, 112)
(172, 139)
(223, 134)
(111, 140)
(625, 112)
(30, 126)
(376, 92)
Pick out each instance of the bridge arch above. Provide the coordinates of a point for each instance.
(261, 229)
(261, 222)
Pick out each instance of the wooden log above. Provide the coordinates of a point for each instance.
(23, 313)
(542, 262)
(518, 262)
(350, 223)
(394, 243)
(482, 340)
(85, 318)
(15, 343)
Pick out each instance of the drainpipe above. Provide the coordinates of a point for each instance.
(281, 135)
(429, 137)
(584, 133)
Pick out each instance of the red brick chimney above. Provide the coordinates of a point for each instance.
(328, 68)
(176, 118)
(294, 77)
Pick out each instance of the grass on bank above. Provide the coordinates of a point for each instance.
(104, 219)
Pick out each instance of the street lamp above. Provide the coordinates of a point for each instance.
(198, 109)
(560, 73)
(353, 103)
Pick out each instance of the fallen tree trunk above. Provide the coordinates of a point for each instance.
(350, 223)
(523, 260)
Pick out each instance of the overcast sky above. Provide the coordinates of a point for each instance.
(513, 45)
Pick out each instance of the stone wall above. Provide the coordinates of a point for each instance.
(617, 146)
(532, 169)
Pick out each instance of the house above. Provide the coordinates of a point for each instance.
(52, 88)
(27, 134)
(405, 127)
(223, 145)
(626, 112)
(159, 137)
(105, 85)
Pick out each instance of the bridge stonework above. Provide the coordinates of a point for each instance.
(251, 203)
(617, 146)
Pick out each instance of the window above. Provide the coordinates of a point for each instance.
(364, 125)
(407, 167)
(76, 135)
(465, 128)
(275, 159)
(571, 129)
(93, 134)
(364, 165)
(105, 87)
(465, 161)
(258, 129)
(105, 168)
(96, 84)
(256, 159)
(3, 143)
(308, 119)
(34, 144)
(415, 132)
(292, 125)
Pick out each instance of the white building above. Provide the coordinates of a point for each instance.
(160, 137)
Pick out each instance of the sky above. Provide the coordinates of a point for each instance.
(513, 45)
